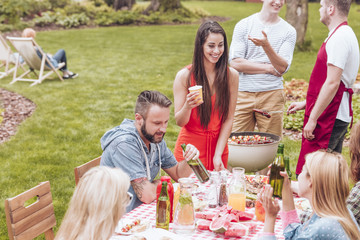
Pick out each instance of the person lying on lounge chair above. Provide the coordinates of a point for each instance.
(58, 57)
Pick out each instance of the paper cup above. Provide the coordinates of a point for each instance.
(197, 88)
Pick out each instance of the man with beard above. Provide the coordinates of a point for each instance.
(138, 148)
(327, 107)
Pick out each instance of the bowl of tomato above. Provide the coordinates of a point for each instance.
(253, 151)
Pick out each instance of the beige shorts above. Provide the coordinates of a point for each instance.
(245, 118)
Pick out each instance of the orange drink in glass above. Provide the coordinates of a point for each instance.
(237, 201)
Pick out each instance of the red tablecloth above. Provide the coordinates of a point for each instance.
(148, 212)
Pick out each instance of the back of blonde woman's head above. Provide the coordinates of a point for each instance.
(97, 205)
(329, 176)
(354, 148)
(28, 32)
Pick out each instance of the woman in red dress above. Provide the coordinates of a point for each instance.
(207, 124)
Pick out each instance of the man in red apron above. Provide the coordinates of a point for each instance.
(328, 109)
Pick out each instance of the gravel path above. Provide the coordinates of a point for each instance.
(16, 109)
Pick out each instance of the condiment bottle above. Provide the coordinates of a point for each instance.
(184, 217)
(196, 165)
(213, 194)
(170, 190)
(278, 165)
(163, 208)
(223, 195)
(237, 189)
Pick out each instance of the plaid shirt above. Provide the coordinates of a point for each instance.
(353, 204)
(353, 201)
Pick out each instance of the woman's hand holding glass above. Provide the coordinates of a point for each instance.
(192, 100)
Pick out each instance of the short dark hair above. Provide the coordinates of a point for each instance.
(148, 98)
(342, 5)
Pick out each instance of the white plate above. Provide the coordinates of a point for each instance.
(122, 223)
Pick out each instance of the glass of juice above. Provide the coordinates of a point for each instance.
(259, 211)
(237, 189)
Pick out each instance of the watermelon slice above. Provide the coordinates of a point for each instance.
(251, 225)
(243, 216)
(200, 215)
(220, 224)
(237, 230)
(232, 218)
(203, 224)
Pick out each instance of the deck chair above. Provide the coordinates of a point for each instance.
(28, 222)
(6, 58)
(26, 48)
(82, 169)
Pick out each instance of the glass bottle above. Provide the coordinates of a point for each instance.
(223, 194)
(237, 189)
(163, 208)
(170, 189)
(278, 165)
(196, 165)
(184, 217)
(287, 166)
(213, 190)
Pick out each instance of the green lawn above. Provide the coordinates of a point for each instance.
(114, 64)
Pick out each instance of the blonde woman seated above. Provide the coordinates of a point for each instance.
(324, 181)
(58, 57)
(98, 203)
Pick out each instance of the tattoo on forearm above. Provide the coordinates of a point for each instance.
(138, 186)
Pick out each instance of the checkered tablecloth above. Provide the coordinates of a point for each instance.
(148, 212)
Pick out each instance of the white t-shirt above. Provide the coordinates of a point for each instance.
(282, 38)
(343, 51)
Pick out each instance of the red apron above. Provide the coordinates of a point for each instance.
(326, 121)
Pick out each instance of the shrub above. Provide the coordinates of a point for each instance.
(46, 19)
(74, 20)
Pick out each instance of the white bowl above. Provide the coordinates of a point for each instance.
(252, 157)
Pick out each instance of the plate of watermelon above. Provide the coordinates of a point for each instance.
(227, 221)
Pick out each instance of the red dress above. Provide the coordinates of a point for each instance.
(204, 140)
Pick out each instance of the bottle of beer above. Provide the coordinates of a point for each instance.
(196, 165)
(287, 166)
(276, 180)
(163, 208)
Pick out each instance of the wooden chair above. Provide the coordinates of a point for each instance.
(82, 169)
(26, 48)
(7, 58)
(28, 222)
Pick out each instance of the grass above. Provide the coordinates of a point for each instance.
(114, 64)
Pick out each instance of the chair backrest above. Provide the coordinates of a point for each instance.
(82, 169)
(26, 48)
(31, 221)
(5, 50)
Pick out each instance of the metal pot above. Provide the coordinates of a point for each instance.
(252, 157)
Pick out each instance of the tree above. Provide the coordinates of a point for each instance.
(162, 5)
(297, 16)
(121, 4)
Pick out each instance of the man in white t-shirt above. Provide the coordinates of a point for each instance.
(261, 50)
(328, 109)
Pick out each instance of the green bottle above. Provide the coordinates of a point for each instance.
(163, 208)
(278, 165)
(198, 168)
(287, 166)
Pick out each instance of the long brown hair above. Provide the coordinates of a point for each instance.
(355, 152)
(221, 83)
(330, 189)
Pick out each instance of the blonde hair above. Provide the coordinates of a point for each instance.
(354, 148)
(98, 203)
(330, 188)
(28, 32)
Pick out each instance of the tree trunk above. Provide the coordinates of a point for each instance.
(162, 5)
(123, 4)
(297, 16)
